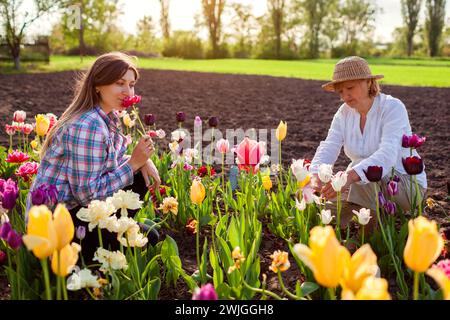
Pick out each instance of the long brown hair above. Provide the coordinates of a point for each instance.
(107, 69)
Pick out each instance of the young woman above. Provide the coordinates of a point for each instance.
(84, 153)
(370, 125)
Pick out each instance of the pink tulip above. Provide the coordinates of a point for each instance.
(20, 116)
(27, 128)
(17, 157)
(27, 170)
(10, 130)
(53, 119)
(249, 152)
(223, 146)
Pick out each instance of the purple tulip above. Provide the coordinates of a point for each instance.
(374, 173)
(413, 141)
(413, 165)
(390, 207)
(9, 194)
(392, 187)
(52, 194)
(396, 178)
(14, 240)
(80, 233)
(405, 141)
(38, 196)
(213, 122)
(5, 228)
(181, 116)
(381, 199)
(149, 119)
(206, 292)
(2, 257)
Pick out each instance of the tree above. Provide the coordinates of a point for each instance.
(332, 26)
(434, 24)
(146, 41)
(212, 13)
(16, 19)
(243, 22)
(314, 13)
(356, 18)
(410, 13)
(276, 10)
(164, 20)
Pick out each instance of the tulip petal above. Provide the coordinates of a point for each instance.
(306, 255)
(32, 241)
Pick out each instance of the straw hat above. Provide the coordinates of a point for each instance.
(350, 68)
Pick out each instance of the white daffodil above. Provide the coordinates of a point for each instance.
(109, 223)
(363, 216)
(178, 135)
(124, 224)
(96, 211)
(82, 279)
(339, 180)
(325, 172)
(126, 200)
(300, 205)
(299, 169)
(325, 216)
(134, 238)
(110, 260)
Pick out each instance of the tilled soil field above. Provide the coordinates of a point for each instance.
(241, 101)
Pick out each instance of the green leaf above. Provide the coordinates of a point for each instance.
(169, 248)
(233, 234)
(204, 263)
(308, 287)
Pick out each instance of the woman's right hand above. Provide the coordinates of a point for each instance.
(142, 151)
(315, 183)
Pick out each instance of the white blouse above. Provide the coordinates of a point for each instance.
(380, 144)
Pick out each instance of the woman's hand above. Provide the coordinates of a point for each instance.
(142, 151)
(328, 192)
(315, 183)
(149, 171)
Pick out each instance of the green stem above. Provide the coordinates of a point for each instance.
(286, 291)
(100, 241)
(280, 168)
(223, 172)
(416, 285)
(270, 293)
(44, 265)
(418, 197)
(139, 119)
(332, 293)
(362, 236)
(197, 238)
(338, 222)
(64, 289)
(58, 278)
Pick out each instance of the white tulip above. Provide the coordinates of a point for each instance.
(300, 205)
(325, 216)
(325, 172)
(363, 216)
(299, 169)
(339, 180)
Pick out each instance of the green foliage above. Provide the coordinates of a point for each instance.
(183, 44)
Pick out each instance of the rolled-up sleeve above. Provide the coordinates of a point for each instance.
(394, 121)
(329, 149)
(87, 154)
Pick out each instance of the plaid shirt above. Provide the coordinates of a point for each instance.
(85, 160)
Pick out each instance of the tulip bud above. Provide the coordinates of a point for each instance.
(374, 173)
(181, 116)
(38, 197)
(20, 116)
(424, 244)
(5, 229)
(413, 165)
(34, 144)
(381, 199)
(281, 131)
(149, 119)
(223, 146)
(197, 121)
(197, 192)
(3, 257)
(390, 207)
(14, 240)
(42, 125)
(266, 182)
(206, 292)
(63, 225)
(392, 187)
(213, 122)
(80, 232)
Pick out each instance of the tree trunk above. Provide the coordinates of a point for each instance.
(409, 40)
(17, 63)
(81, 44)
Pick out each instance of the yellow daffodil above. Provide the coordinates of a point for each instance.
(424, 244)
(266, 182)
(363, 264)
(371, 289)
(42, 125)
(325, 256)
(197, 192)
(68, 257)
(64, 227)
(442, 280)
(281, 131)
(41, 235)
(280, 261)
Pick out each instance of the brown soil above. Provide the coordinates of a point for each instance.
(247, 102)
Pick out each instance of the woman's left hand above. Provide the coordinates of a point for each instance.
(328, 191)
(149, 171)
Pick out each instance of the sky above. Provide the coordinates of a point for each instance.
(182, 13)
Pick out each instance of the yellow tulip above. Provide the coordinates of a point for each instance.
(42, 125)
(127, 121)
(424, 244)
(63, 225)
(371, 289)
(197, 192)
(266, 182)
(41, 234)
(442, 280)
(363, 264)
(281, 131)
(34, 144)
(326, 257)
(68, 257)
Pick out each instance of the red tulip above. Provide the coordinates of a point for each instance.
(413, 141)
(413, 165)
(130, 101)
(374, 173)
(17, 157)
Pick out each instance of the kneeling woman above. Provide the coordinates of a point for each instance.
(84, 153)
(370, 125)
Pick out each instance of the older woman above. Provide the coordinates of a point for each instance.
(370, 125)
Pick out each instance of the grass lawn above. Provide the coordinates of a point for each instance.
(408, 72)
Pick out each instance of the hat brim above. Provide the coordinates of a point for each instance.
(330, 85)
